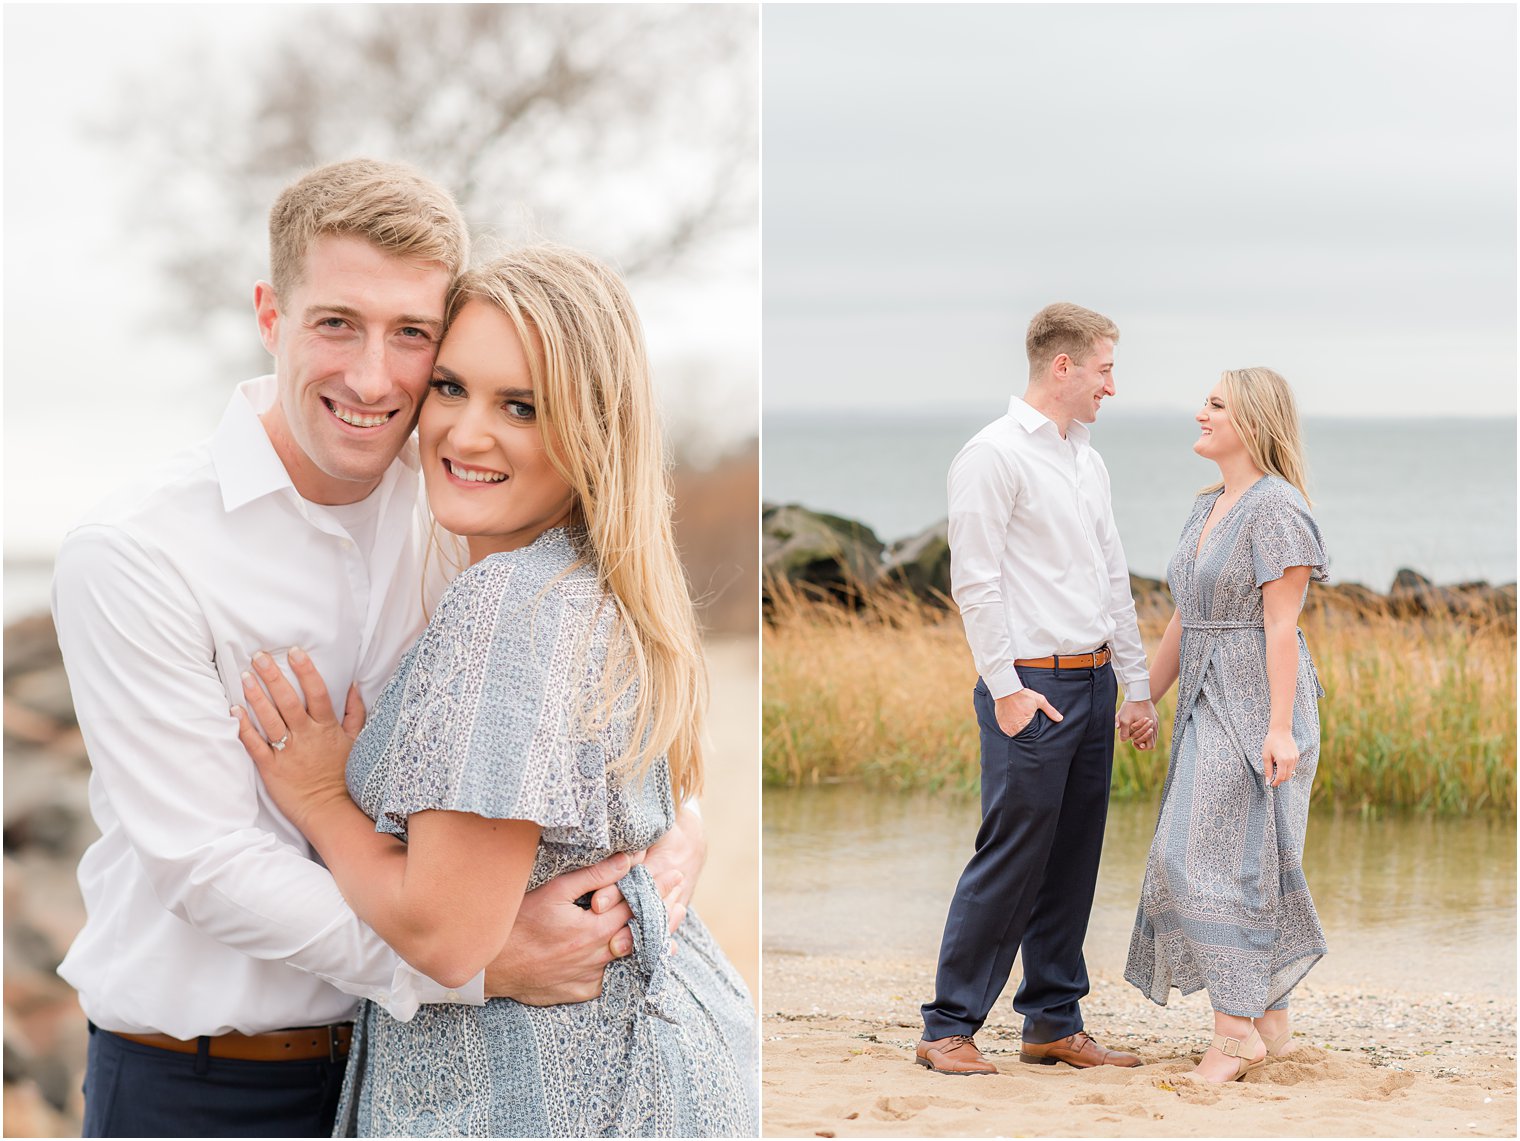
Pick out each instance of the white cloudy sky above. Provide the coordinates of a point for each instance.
(94, 388)
(1326, 190)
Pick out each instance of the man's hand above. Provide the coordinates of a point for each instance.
(1137, 722)
(557, 949)
(1017, 710)
(675, 861)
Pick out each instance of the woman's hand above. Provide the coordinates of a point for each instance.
(1136, 721)
(303, 760)
(1279, 756)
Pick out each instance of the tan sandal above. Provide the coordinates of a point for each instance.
(1275, 1045)
(1241, 1050)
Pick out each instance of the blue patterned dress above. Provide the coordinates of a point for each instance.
(1224, 904)
(487, 713)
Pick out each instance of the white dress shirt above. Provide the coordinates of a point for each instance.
(206, 909)
(1035, 562)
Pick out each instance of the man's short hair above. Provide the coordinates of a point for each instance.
(1065, 328)
(387, 204)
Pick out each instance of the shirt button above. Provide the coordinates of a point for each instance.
(451, 995)
(383, 997)
(348, 545)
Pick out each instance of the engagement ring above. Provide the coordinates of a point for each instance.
(281, 743)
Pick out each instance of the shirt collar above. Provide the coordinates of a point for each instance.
(247, 466)
(1032, 420)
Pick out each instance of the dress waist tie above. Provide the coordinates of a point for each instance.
(1201, 627)
(651, 939)
(1209, 626)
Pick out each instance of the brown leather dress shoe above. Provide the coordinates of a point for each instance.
(956, 1054)
(1076, 1050)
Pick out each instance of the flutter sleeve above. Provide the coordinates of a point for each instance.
(491, 720)
(1284, 534)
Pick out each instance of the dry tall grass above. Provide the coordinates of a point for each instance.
(1418, 713)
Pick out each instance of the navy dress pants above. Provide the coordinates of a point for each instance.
(132, 1090)
(1030, 883)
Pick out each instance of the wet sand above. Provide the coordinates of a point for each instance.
(839, 1033)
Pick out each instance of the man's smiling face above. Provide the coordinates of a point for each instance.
(353, 343)
(1091, 381)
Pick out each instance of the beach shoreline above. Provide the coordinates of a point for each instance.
(838, 1037)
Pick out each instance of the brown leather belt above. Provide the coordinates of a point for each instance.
(1099, 657)
(300, 1045)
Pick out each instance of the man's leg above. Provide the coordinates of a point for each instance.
(132, 1090)
(1055, 973)
(1023, 779)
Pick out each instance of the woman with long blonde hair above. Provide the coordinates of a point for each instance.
(549, 716)
(1224, 905)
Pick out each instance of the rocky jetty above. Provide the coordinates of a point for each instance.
(827, 556)
(47, 828)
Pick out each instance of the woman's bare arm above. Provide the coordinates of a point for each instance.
(446, 900)
(1281, 600)
(1165, 663)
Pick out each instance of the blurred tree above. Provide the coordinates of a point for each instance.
(627, 130)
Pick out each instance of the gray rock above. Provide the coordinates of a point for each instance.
(1482, 600)
(1348, 597)
(921, 564)
(30, 644)
(53, 1075)
(46, 804)
(45, 691)
(812, 549)
(1148, 589)
(1414, 595)
(28, 950)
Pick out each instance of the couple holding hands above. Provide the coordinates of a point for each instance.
(1041, 581)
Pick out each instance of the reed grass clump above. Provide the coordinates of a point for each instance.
(1418, 712)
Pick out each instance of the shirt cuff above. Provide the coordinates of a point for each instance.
(1001, 683)
(1137, 690)
(410, 989)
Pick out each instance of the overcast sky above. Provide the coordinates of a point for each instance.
(95, 388)
(1328, 190)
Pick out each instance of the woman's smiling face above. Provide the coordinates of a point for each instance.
(1217, 437)
(484, 460)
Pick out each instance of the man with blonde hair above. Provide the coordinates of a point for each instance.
(219, 965)
(1043, 589)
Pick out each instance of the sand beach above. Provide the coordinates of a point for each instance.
(838, 1036)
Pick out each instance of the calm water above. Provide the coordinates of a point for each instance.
(1406, 901)
(1435, 495)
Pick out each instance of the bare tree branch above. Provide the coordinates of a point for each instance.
(627, 130)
